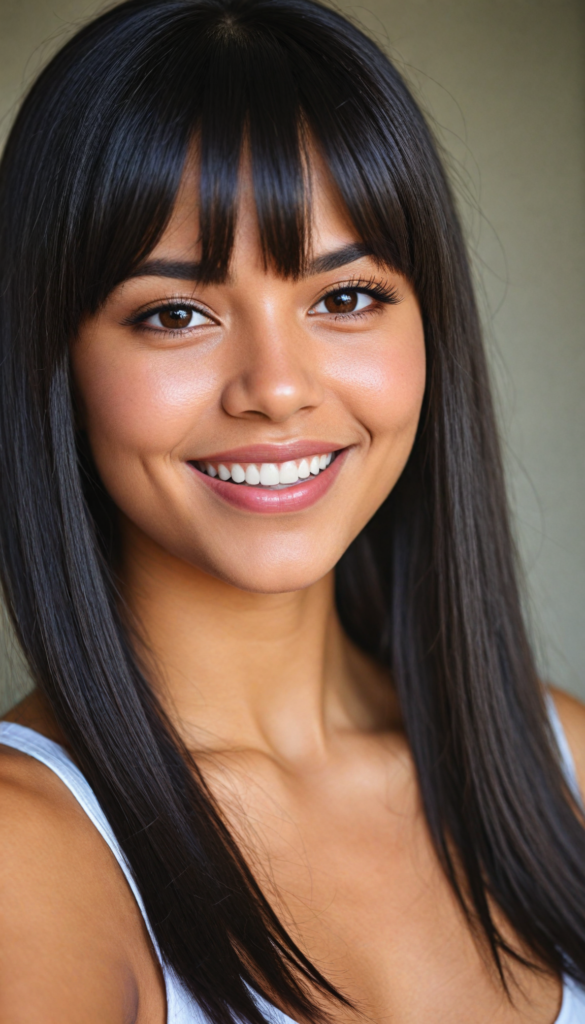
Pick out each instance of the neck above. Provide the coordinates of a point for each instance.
(237, 670)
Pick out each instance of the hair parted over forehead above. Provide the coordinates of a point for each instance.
(150, 83)
(88, 182)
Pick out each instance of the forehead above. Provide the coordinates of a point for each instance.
(327, 222)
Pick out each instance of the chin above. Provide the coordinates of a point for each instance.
(275, 582)
(266, 561)
(268, 569)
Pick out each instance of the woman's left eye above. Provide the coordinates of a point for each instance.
(347, 300)
(176, 318)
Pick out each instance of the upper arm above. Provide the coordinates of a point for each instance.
(62, 956)
(572, 715)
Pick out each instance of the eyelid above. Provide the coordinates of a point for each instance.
(386, 293)
(143, 314)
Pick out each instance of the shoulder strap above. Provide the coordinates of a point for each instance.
(31, 742)
(565, 755)
(181, 1007)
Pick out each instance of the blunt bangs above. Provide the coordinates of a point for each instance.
(217, 78)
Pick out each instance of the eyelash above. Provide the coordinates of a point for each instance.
(383, 294)
(138, 319)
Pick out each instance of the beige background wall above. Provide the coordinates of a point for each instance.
(504, 82)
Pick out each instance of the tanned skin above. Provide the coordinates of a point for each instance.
(298, 732)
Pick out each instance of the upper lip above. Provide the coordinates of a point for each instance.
(273, 452)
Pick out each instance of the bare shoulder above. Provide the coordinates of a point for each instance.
(572, 715)
(70, 931)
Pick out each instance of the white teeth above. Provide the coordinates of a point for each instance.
(269, 475)
(252, 475)
(288, 473)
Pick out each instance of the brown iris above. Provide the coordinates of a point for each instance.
(341, 302)
(175, 317)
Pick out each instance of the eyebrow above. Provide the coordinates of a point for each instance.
(338, 258)
(188, 270)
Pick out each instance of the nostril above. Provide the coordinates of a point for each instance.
(265, 395)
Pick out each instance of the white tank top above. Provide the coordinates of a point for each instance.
(181, 1007)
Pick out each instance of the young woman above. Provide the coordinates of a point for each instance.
(287, 756)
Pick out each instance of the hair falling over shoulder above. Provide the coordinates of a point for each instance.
(87, 184)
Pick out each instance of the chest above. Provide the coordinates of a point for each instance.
(350, 868)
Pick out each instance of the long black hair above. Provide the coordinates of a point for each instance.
(87, 184)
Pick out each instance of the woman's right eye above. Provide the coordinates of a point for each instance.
(176, 318)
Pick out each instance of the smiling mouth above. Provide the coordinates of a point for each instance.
(273, 476)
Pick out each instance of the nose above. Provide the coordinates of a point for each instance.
(276, 374)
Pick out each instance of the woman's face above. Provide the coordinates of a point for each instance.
(252, 428)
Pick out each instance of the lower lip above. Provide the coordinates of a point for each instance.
(259, 499)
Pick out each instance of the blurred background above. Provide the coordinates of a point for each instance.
(503, 84)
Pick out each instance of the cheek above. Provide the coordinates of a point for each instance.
(141, 406)
(383, 383)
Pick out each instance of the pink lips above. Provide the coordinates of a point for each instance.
(261, 499)
(272, 452)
